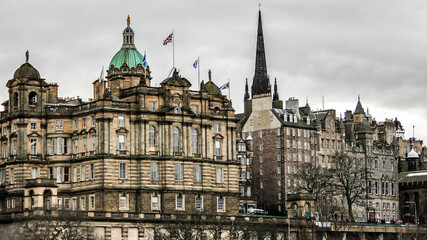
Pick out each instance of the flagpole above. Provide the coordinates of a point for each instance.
(229, 96)
(173, 47)
(198, 71)
(145, 67)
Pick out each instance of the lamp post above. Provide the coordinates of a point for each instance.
(416, 219)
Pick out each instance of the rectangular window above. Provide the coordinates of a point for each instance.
(12, 176)
(219, 175)
(123, 202)
(84, 144)
(154, 168)
(84, 123)
(33, 143)
(76, 147)
(82, 204)
(261, 185)
(67, 203)
(51, 173)
(195, 109)
(261, 172)
(392, 189)
(83, 173)
(74, 203)
(52, 146)
(59, 174)
(198, 204)
(217, 127)
(154, 202)
(197, 173)
(76, 124)
(59, 203)
(152, 106)
(66, 174)
(260, 133)
(33, 126)
(122, 170)
(14, 146)
(121, 121)
(93, 122)
(218, 148)
(58, 124)
(59, 142)
(74, 174)
(34, 173)
(93, 142)
(122, 142)
(179, 202)
(4, 150)
(178, 172)
(92, 171)
(220, 205)
(67, 143)
(260, 159)
(92, 202)
(249, 191)
(242, 191)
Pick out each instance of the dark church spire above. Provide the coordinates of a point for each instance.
(261, 84)
(246, 90)
(275, 94)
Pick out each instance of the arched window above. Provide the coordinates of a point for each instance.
(47, 201)
(15, 99)
(176, 139)
(32, 99)
(152, 137)
(195, 141)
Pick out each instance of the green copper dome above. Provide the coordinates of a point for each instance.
(130, 56)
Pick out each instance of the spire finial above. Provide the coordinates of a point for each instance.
(261, 83)
(210, 75)
(246, 90)
(27, 56)
(128, 20)
(358, 97)
(259, 6)
(306, 100)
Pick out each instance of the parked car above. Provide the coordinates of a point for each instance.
(256, 211)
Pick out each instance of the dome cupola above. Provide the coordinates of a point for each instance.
(127, 54)
(26, 70)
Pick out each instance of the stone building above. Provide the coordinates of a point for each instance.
(134, 149)
(283, 139)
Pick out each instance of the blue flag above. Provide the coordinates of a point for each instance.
(195, 63)
(144, 62)
(225, 86)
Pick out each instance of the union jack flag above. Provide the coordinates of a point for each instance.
(168, 39)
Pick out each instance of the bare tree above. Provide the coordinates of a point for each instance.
(315, 180)
(67, 225)
(350, 179)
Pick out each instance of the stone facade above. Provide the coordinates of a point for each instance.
(133, 148)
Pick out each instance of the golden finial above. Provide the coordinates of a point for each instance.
(128, 20)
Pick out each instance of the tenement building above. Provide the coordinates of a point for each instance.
(133, 149)
(282, 139)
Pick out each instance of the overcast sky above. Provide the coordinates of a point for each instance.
(336, 49)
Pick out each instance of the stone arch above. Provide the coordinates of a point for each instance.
(47, 199)
(32, 99)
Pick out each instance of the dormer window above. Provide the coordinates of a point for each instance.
(139, 70)
(124, 70)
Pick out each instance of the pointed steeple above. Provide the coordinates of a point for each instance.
(246, 90)
(275, 94)
(359, 109)
(261, 83)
